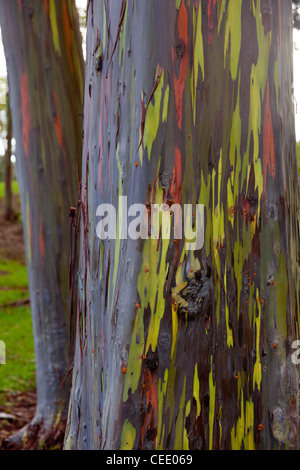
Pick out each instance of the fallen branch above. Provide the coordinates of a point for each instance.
(16, 303)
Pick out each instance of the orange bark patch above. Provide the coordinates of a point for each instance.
(268, 140)
(150, 386)
(183, 22)
(25, 111)
(46, 5)
(68, 35)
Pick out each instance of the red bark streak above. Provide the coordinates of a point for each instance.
(68, 34)
(268, 140)
(26, 115)
(175, 188)
(179, 83)
(57, 122)
(150, 424)
(211, 7)
(183, 23)
(46, 5)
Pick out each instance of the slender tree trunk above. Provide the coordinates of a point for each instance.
(45, 68)
(189, 102)
(9, 212)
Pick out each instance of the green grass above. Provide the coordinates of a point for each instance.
(15, 188)
(18, 374)
(16, 331)
(13, 274)
(12, 296)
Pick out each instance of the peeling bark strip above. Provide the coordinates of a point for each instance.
(45, 68)
(190, 350)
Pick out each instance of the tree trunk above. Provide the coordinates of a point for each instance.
(9, 212)
(189, 102)
(45, 68)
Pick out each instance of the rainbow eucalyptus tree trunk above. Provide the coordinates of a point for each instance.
(189, 102)
(45, 67)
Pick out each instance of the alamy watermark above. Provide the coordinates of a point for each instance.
(296, 354)
(152, 221)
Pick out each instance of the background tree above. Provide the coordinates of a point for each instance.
(45, 68)
(296, 13)
(189, 102)
(8, 168)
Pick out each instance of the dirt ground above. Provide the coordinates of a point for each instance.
(11, 235)
(16, 409)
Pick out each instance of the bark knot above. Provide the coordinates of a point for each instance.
(194, 297)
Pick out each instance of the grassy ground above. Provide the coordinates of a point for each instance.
(15, 188)
(18, 375)
(16, 329)
(298, 156)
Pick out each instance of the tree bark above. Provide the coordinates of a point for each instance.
(45, 68)
(189, 102)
